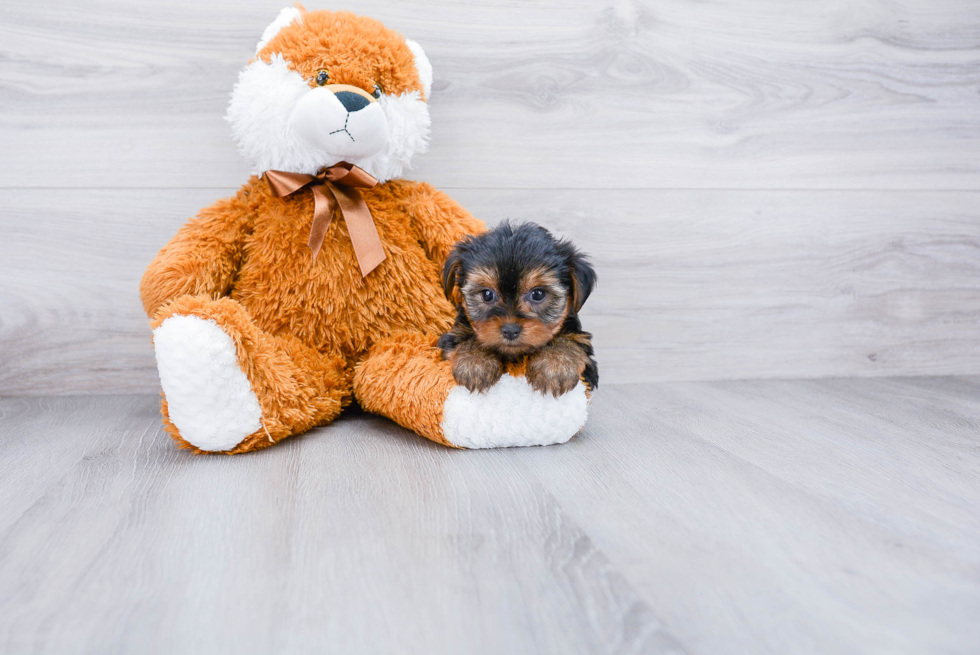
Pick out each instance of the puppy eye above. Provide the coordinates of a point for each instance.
(322, 77)
(487, 295)
(377, 91)
(537, 295)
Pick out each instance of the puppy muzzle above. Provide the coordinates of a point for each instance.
(510, 331)
(341, 121)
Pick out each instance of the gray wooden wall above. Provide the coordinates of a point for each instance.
(769, 188)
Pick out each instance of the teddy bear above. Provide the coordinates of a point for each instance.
(318, 282)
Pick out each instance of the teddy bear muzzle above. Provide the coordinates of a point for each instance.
(341, 121)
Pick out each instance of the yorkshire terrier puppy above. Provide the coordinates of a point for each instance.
(518, 291)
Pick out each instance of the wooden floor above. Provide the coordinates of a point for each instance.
(830, 516)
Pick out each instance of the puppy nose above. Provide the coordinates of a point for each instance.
(352, 101)
(510, 331)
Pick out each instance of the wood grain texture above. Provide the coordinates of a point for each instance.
(616, 123)
(831, 516)
(728, 517)
(768, 189)
(692, 284)
(360, 539)
(564, 93)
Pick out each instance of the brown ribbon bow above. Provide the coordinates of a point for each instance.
(337, 184)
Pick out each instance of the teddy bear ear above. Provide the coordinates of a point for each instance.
(285, 17)
(422, 65)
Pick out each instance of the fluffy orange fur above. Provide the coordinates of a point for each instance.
(301, 328)
(353, 49)
(310, 336)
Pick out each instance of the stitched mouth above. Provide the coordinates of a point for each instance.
(344, 129)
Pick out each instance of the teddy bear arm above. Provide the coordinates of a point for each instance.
(440, 221)
(202, 258)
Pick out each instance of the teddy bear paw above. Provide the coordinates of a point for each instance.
(512, 413)
(209, 398)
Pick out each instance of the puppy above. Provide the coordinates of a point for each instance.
(518, 291)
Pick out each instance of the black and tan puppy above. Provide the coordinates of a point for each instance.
(518, 291)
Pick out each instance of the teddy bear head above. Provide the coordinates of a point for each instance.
(326, 87)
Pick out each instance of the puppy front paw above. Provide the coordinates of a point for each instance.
(475, 368)
(556, 370)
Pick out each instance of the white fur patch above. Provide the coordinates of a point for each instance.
(285, 17)
(209, 398)
(511, 413)
(261, 117)
(408, 135)
(322, 121)
(261, 105)
(422, 65)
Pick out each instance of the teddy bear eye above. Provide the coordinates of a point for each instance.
(487, 295)
(321, 77)
(537, 295)
(377, 91)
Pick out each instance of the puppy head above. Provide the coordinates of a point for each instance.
(326, 87)
(517, 285)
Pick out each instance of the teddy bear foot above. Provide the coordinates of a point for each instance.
(209, 398)
(511, 413)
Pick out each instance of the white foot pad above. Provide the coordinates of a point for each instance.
(209, 398)
(511, 413)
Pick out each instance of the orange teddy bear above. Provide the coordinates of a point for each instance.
(318, 282)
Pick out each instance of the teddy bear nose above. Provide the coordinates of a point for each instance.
(510, 331)
(352, 101)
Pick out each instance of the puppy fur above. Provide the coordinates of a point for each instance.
(518, 291)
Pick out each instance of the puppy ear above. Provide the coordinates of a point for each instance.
(583, 278)
(450, 276)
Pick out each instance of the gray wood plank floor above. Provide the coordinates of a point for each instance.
(770, 516)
